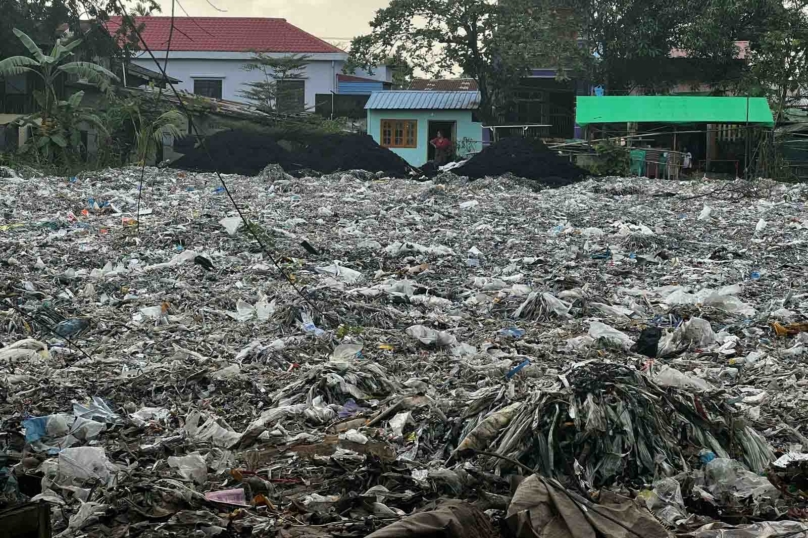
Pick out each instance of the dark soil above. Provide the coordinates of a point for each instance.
(248, 152)
(524, 157)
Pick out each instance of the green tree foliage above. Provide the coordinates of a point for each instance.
(779, 57)
(628, 39)
(491, 41)
(37, 18)
(150, 131)
(276, 91)
(55, 127)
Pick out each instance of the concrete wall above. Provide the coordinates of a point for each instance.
(466, 128)
(320, 76)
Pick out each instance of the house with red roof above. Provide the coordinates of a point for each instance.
(208, 55)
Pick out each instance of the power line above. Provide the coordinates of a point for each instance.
(201, 141)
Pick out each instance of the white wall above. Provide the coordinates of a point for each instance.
(320, 75)
(382, 73)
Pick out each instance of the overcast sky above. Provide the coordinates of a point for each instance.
(343, 19)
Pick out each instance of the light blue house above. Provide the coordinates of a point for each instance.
(405, 122)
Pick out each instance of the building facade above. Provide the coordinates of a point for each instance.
(405, 122)
(210, 55)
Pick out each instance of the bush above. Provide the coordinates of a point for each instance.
(613, 160)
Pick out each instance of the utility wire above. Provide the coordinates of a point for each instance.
(149, 139)
(30, 319)
(201, 141)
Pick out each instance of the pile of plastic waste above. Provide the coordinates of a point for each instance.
(348, 357)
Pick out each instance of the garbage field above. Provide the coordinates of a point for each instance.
(387, 358)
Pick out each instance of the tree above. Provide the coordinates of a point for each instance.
(629, 40)
(49, 67)
(151, 131)
(491, 41)
(59, 119)
(278, 91)
(779, 59)
(37, 18)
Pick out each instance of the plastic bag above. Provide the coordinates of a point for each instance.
(729, 480)
(666, 376)
(485, 432)
(696, 332)
(666, 501)
(343, 274)
(705, 213)
(97, 410)
(346, 353)
(232, 224)
(609, 336)
(190, 467)
(431, 337)
(78, 465)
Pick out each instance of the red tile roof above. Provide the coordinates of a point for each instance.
(228, 34)
(445, 85)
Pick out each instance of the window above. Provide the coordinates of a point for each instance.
(208, 87)
(291, 96)
(400, 133)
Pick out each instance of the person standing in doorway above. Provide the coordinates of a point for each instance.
(443, 147)
(687, 162)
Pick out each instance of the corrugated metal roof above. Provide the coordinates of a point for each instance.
(419, 100)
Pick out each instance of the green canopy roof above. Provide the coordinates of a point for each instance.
(673, 109)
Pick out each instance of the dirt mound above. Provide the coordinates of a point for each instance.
(523, 157)
(249, 152)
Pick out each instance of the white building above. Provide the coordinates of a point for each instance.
(208, 54)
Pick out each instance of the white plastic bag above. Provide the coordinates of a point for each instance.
(666, 376)
(232, 224)
(78, 465)
(346, 353)
(609, 336)
(705, 213)
(190, 467)
(343, 274)
(431, 337)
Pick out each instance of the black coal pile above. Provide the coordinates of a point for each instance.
(523, 157)
(248, 152)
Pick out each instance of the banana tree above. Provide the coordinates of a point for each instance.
(49, 67)
(149, 134)
(60, 136)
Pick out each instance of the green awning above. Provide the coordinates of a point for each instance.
(673, 109)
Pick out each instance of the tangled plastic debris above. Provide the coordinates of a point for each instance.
(463, 359)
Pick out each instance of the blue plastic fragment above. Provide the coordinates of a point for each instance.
(516, 370)
(218, 190)
(706, 456)
(513, 332)
(35, 428)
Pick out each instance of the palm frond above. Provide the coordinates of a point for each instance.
(95, 121)
(32, 47)
(60, 51)
(168, 124)
(75, 99)
(92, 73)
(17, 65)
